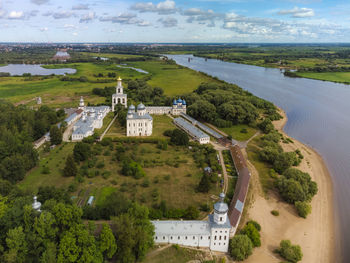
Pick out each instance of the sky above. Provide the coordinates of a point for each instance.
(175, 21)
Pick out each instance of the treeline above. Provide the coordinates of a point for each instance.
(58, 234)
(226, 104)
(294, 186)
(19, 127)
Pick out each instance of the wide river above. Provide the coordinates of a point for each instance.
(318, 115)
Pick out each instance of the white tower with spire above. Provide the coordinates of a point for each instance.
(119, 97)
(81, 103)
(220, 226)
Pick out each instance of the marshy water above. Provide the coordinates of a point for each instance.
(318, 115)
(20, 69)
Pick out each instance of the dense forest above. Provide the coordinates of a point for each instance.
(19, 127)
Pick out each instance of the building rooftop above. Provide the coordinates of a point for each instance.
(193, 227)
(215, 225)
(189, 128)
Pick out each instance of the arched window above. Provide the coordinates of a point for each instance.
(186, 237)
(215, 238)
(219, 237)
(178, 237)
(193, 237)
(156, 238)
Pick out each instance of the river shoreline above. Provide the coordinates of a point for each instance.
(316, 234)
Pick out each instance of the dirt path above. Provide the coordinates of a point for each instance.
(315, 234)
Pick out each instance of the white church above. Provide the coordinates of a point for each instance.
(139, 122)
(213, 233)
(91, 119)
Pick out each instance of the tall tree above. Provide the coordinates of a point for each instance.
(204, 184)
(17, 245)
(55, 135)
(70, 169)
(108, 245)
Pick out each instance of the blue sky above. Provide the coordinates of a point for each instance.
(228, 21)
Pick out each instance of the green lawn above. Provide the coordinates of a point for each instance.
(111, 55)
(173, 79)
(262, 167)
(343, 77)
(174, 254)
(235, 132)
(171, 175)
(106, 121)
(55, 160)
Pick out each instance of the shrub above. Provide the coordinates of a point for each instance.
(255, 224)
(179, 137)
(240, 247)
(291, 253)
(45, 170)
(252, 233)
(275, 213)
(303, 208)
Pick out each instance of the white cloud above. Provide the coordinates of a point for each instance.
(75, 33)
(162, 8)
(168, 22)
(62, 14)
(43, 29)
(87, 17)
(16, 15)
(69, 26)
(81, 7)
(298, 12)
(40, 2)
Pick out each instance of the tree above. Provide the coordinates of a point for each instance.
(134, 234)
(254, 235)
(70, 169)
(266, 126)
(290, 252)
(132, 168)
(81, 151)
(303, 208)
(12, 168)
(107, 242)
(55, 135)
(17, 245)
(204, 184)
(240, 247)
(179, 137)
(284, 161)
(191, 213)
(3, 206)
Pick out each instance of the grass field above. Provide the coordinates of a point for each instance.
(173, 79)
(343, 77)
(235, 132)
(171, 175)
(107, 55)
(175, 254)
(263, 168)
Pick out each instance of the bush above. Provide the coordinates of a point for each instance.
(255, 224)
(303, 208)
(289, 252)
(179, 137)
(252, 233)
(240, 247)
(45, 170)
(275, 213)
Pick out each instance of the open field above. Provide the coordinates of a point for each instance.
(175, 254)
(237, 134)
(111, 55)
(171, 175)
(342, 77)
(173, 79)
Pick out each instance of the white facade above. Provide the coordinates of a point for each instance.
(213, 233)
(138, 123)
(91, 119)
(119, 97)
(179, 106)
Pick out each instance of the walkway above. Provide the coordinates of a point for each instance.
(108, 127)
(219, 148)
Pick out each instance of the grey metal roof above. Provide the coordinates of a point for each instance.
(189, 128)
(70, 117)
(202, 126)
(193, 227)
(215, 225)
(136, 116)
(221, 207)
(141, 107)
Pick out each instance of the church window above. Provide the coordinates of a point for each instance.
(193, 237)
(219, 237)
(220, 220)
(171, 238)
(215, 238)
(219, 244)
(186, 237)
(163, 238)
(209, 238)
(225, 237)
(156, 238)
(118, 90)
(214, 244)
(178, 237)
(201, 238)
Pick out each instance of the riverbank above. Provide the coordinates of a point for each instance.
(316, 234)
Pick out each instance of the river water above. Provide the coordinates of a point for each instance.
(19, 69)
(318, 115)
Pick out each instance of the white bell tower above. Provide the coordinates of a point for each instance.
(220, 211)
(81, 103)
(119, 97)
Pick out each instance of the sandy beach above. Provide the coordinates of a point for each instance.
(316, 234)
